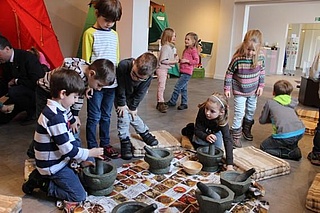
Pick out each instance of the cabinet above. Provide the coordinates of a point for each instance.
(308, 93)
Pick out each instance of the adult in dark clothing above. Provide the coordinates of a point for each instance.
(134, 78)
(20, 73)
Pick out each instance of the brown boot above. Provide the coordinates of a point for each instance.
(162, 107)
(246, 129)
(236, 136)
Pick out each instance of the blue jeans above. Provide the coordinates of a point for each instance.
(99, 110)
(244, 107)
(66, 185)
(125, 122)
(217, 143)
(181, 87)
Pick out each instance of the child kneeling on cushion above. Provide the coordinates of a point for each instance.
(288, 129)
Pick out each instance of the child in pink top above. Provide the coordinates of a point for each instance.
(190, 58)
(42, 59)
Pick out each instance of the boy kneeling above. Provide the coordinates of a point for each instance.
(288, 129)
(55, 144)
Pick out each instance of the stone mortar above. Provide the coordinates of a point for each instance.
(159, 165)
(209, 205)
(210, 162)
(239, 188)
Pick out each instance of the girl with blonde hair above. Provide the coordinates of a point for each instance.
(245, 78)
(167, 59)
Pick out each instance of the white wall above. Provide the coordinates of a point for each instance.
(201, 17)
(68, 18)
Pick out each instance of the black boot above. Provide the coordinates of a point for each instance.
(36, 180)
(126, 149)
(246, 129)
(295, 154)
(148, 138)
(188, 131)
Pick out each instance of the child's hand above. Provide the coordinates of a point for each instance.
(96, 152)
(120, 110)
(176, 58)
(183, 60)
(133, 114)
(76, 125)
(211, 138)
(259, 91)
(227, 94)
(89, 93)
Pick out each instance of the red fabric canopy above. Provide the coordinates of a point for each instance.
(26, 24)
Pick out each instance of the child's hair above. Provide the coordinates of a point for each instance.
(146, 64)
(252, 39)
(105, 71)
(34, 51)
(166, 36)
(65, 79)
(222, 101)
(111, 10)
(4, 42)
(195, 38)
(282, 87)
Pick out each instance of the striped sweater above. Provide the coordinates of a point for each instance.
(74, 64)
(99, 43)
(242, 78)
(54, 140)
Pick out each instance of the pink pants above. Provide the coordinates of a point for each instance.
(162, 78)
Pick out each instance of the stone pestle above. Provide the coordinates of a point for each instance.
(99, 166)
(244, 176)
(151, 152)
(207, 191)
(147, 209)
(212, 149)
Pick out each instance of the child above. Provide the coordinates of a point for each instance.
(54, 142)
(96, 75)
(100, 41)
(42, 59)
(134, 78)
(190, 58)
(245, 76)
(288, 129)
(211, 121)
(167, 59)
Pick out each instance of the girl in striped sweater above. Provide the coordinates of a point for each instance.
(245, 78)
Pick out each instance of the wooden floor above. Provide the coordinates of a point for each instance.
(285, 193)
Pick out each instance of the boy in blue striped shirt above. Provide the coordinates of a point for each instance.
(55, 143)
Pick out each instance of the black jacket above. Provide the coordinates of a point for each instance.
(25, 67)
(129, 92)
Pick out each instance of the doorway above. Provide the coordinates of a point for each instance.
(309, 42)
